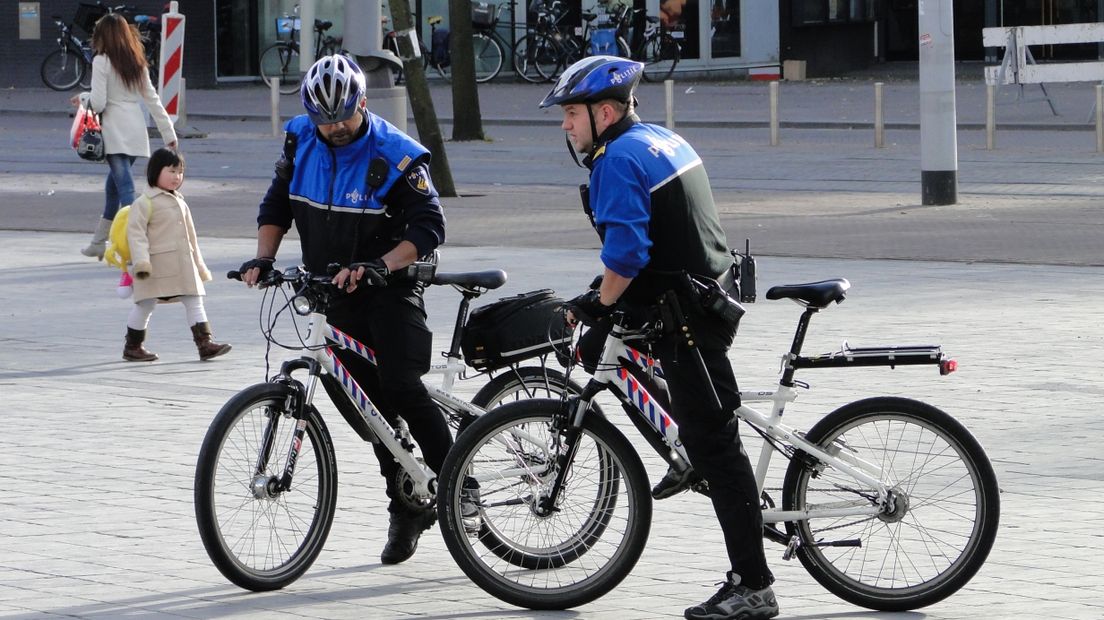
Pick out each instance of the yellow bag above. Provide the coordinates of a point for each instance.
(118, 247)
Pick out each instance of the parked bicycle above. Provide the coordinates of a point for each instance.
(548, 49)
(281, 59)
(266, 476)
(658, 49)
(70, 64)
(889, 503)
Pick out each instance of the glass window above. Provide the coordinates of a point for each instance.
(680, 17)
(725, 30)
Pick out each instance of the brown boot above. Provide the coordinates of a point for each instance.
(201, 333)
(133, 351)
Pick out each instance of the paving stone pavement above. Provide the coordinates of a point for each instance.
(96, 517)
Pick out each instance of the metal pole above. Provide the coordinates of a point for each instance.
(1099, 118)
(879, 117)
(938, 141)
(774, 113)
(990, 117)
(669, 93)
(274, 101)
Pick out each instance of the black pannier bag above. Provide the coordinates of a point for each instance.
(515, 328)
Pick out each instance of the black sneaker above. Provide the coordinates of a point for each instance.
(469, 507)
(736, 602)
(403, 533)
(674, 482)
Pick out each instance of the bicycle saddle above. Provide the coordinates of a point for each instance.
(486, 279)
(589, 16)
(322, 26)
(815, 294)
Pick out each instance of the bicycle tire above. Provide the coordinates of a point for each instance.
(63, 69)
(660, 55)
(530, 382)
(488, 55)
(264, 543)
(281, 60)
(947, 515)
(537, 58)
(572, 555)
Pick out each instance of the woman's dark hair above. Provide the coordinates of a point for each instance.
(160, 159)
(117, 40)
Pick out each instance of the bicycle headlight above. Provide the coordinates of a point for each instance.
(302, 305)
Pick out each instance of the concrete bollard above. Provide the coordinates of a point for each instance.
(274, 100)
(669, 93)
(774, 113)
(879, 117)
(990, 117)
(1099, 118)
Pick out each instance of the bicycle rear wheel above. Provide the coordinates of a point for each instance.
(527, 556)
(258, 536)
(537, 58)
(63, 69)
(659, 54)
(512, 385)
(943, 516)
(281, 60)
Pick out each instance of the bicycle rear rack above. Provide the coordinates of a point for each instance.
(892, 356)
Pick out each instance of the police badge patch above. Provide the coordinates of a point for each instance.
(418, 179)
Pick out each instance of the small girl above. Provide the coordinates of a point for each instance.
(165, 258)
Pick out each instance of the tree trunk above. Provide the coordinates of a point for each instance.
(467, 122)
(417, 88)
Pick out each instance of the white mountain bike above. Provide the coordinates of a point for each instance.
(266, 477)
(889, 503)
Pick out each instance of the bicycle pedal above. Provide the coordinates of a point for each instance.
(791, 548)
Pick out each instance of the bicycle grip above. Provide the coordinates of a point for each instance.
(233, 274)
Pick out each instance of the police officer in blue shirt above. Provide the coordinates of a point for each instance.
(359, 193)
(650, 201)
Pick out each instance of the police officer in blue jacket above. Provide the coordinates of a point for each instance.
(650, 201)
(359, 193)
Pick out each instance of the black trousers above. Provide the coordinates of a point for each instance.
(392, 321)
(711, 436)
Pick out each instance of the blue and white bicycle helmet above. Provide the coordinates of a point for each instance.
(596, 78)
(332, 89)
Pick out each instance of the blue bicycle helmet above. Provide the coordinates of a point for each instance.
(332, 89)
(596, 78)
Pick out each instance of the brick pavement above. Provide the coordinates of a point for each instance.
(96, 510)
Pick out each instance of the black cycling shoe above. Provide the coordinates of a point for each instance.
(403, 533)
(674, 482)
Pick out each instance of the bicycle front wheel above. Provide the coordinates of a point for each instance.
(938, 527)
(659, 54)
(488, 57)
(524, 553)
(537, 58)
(260, 535)
(62, 69)
(281, 60)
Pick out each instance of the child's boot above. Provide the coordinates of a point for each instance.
(201, 333)
(133, 351)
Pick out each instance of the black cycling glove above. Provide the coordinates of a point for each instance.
(588, 307)
(375, 271)
(264, 264)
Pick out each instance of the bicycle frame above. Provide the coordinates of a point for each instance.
(612, 375)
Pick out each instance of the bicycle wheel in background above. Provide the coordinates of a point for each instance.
(281, 60)
(944, 510)
(258, 536)
(512, 385)
(63, 69)
(488, 57)
(659, 54)
(522, 553)
(537, 58)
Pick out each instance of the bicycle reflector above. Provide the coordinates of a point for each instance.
(947, 366)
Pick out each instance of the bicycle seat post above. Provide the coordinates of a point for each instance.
(798, 342)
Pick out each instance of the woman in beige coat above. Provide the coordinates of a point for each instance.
(120, 80)
(165, 258)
